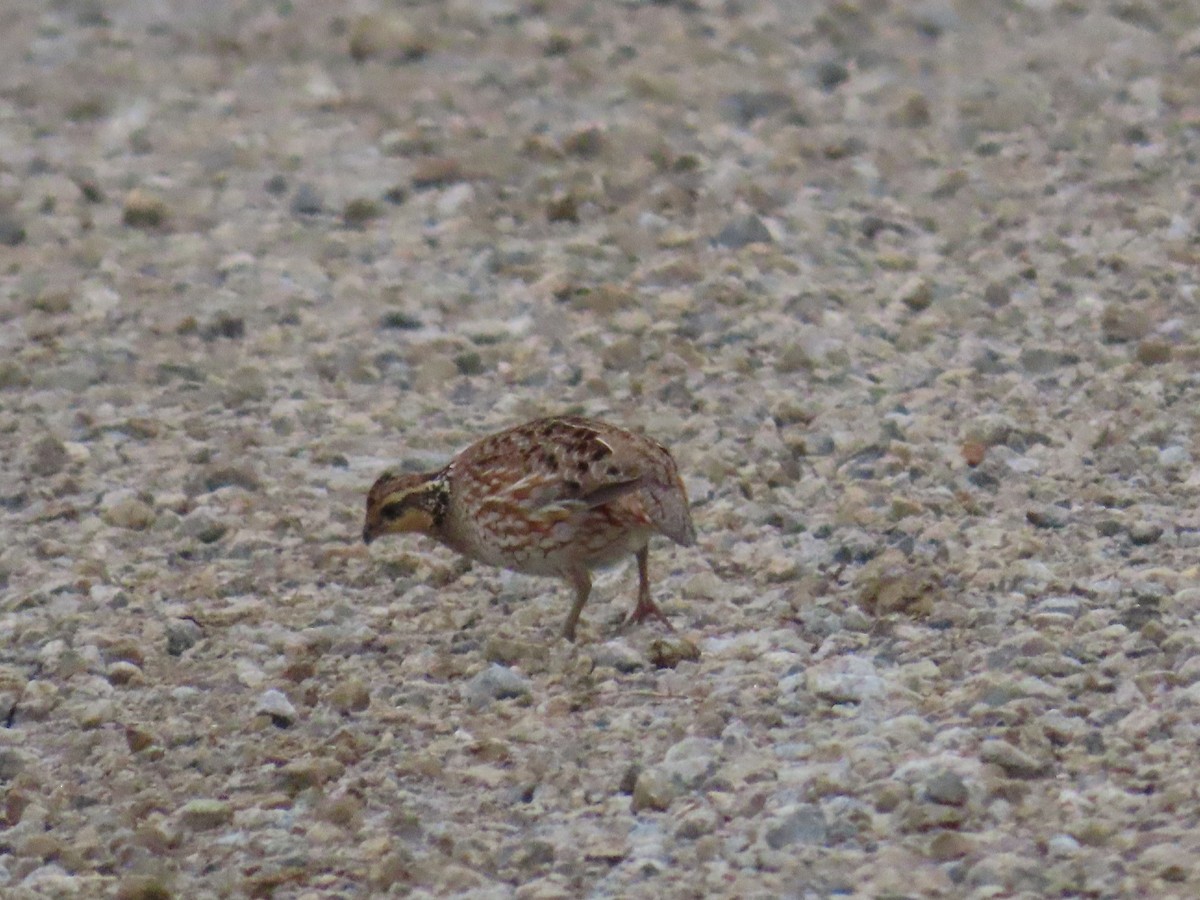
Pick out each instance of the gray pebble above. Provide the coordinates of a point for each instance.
(696, 823)
(49, 457)
(688, 762)
(496, 682)
(618, 655)
(802, 824)
(831, 73)
(13, 762)
(744, 107)
(1056, 611)
(274, 703)
(653, 790)
(12, 375)
(124, 509)
(225, 326)
(182, 635)
(246, 385)
(1174, 456)
(845, 679)
(203, 814)
(12, 231)
(218, 476)
(306, 201)
(1062, 845)
(1043, 360)
(916, 293)
(743, 232)
(144, 209)
(934, 17)
(204, 527)
(996, 295)
(1047, 516)
(1123, 321)
(1144, 533)
(1015, 762)
(946, 788)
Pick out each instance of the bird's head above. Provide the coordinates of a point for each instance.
(407, 502)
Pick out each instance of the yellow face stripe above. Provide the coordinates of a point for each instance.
(400, 495)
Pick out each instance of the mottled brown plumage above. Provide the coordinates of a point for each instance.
(558, 496)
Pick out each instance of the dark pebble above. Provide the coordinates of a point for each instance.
(1046, 516)
(12, 232)
(306, 201)
(742, 233)
(225, 326)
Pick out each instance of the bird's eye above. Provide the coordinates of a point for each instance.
(392, 511)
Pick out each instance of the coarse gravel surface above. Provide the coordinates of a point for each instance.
(910, 290)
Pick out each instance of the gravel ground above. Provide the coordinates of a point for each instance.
(909, 288)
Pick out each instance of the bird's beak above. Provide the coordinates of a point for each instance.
(367, 535)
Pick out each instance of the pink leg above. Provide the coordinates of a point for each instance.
(646, 607)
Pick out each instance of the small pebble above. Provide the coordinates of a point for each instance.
(973, 453)
(1121, 322)
(946, 788)
(388, 36)
(1154, 353)
(496, 682)
(586, 142)
(1062, 845)
(742, 233)
(950, 845)
(143, 209)
(996, 295)
(225, 326)
(1047, 516)
(350, 696)
(1013, 761)
(203, 527)
(804, 824)
(123, 509)
(667, 653)
(49, 456)
(653, 790)
(182, 635)
(1145, 533)
(307, 201)
(845, 679)
(124, 673)
(618, 655)
(12, 232)
(746, 107)
(437, 172)
(205, 814)
(359, 211)
(274, 703)
(1174, 456)
(916, 293)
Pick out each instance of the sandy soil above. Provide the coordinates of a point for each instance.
(909, 289)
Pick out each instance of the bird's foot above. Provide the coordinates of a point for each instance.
(645, 609)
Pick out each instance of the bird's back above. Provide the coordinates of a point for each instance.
(520, 493)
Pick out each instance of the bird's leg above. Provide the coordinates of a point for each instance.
(646, 606)
(583, 586)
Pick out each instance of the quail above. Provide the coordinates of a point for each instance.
(557, 496)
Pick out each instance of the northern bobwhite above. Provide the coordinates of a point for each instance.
(557, 496)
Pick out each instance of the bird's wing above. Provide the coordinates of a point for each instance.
(566, 466)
